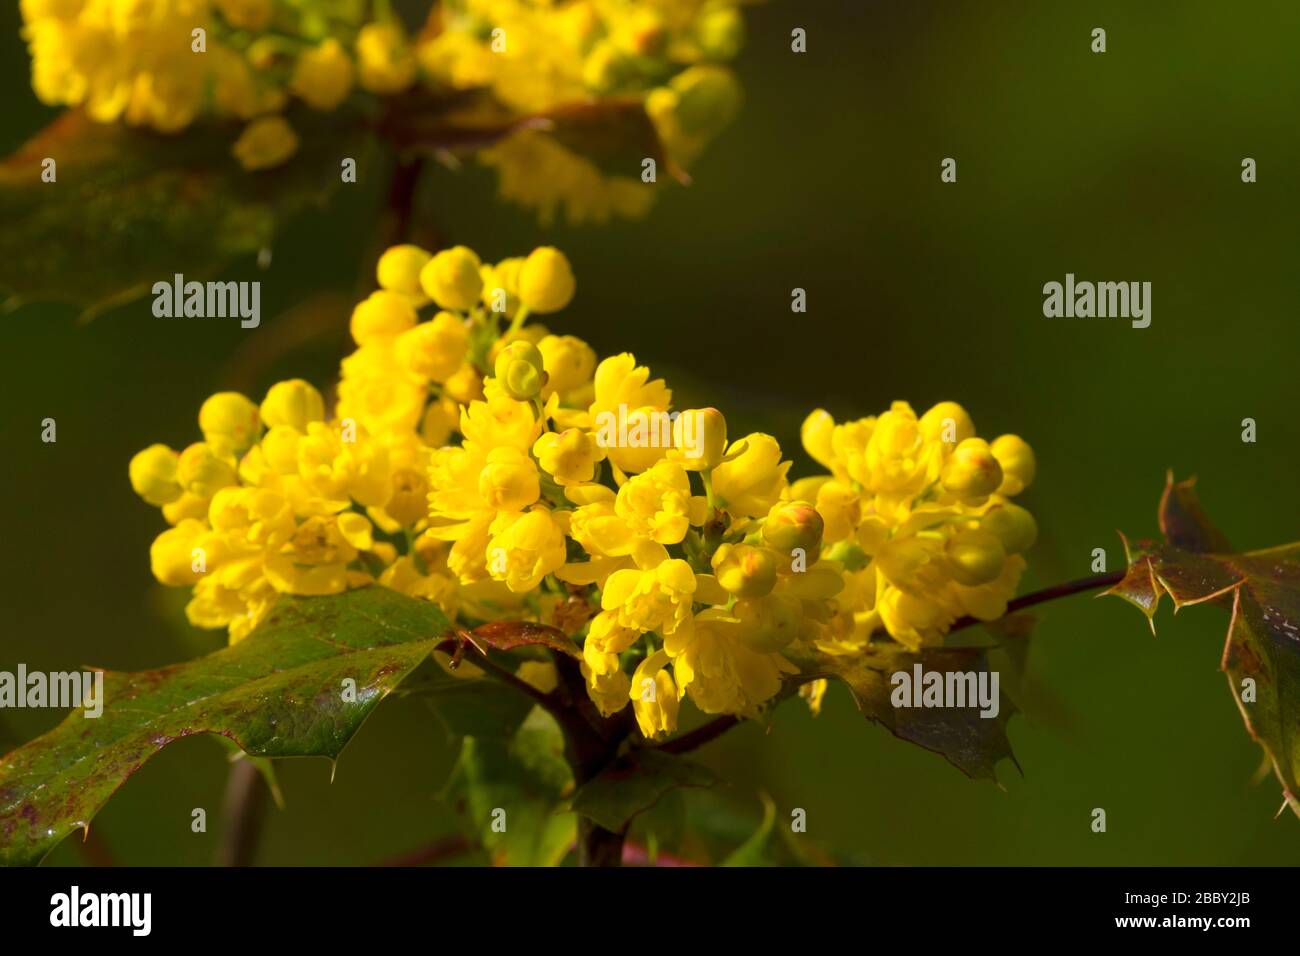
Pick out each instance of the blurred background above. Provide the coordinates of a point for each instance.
(1117, 166)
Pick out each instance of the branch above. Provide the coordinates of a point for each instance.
(1077, 586)
(700, 735)
(244, 807)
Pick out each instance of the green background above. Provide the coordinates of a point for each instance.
(1119, 166)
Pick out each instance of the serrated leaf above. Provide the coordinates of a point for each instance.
(510, 794)
(277, 693)
(634, 783)
(972, 743)
(1262, 590)
(132, 207)
(510, 635)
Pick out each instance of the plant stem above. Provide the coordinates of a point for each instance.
(434, 852)
(700, 735)
(1065, 589)
(243, 810)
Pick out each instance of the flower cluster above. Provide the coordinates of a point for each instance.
(667, 55)
(163, 63)
(918, 510)
(476, 460)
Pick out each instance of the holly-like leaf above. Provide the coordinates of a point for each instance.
(971, 742)
(299, 685)
(509, 635)
(1261, 656)
(510, 794)
(131, 207)
(634, 783)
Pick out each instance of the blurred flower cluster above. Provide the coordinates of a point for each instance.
(475, 459)
(164, 63)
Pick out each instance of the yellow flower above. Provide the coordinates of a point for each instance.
(202, 471)
(180, 556)
(654, 696)
(654, 596)
(746, 571)
(546, 281)
(720, 673)
(972, 471)
(569, 363)
(452, 279)
(519, 370)
(322, 77)
(315, 560)
(153, 475)
(334, 468)
(386, 62)
(509, 480)
(752, 482)
(251, 519)
(434, 350)
(699, 439)
(570, 456)
(383, 315)
(524, 548)
(294, 403)
(264, 143)
(229, 422)
(1016, 459)
(399, 270)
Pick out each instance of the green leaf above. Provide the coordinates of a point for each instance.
(469, 706)
(132, 207)
(510, 794)
(1261, 656)
(971, 743)
(277, 693)
(634, 783)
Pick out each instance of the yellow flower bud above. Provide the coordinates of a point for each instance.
(452, 279)
(570, 457)
(744, 570)
(181, 555)
(386, 62)
(546, 282)
(267, 141)
(708, 99)
(295, 403)
(947, 422)
(569, 363)
(1012, 525)
(972, 471)
(519, 370)
(509, 480)
(435, 349)
(975, 557)
(1018, 464)
(769, 623)
(654, 696)
(699, 439)
(399, 270)
(720, 32)
(794, 524)
(229, 422)
(816, 434)
(322, 77)
(382, 316)
(202, 472)
(153, 475)
(500, 293)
